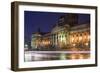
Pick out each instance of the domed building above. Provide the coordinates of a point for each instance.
(40, 40)
(36, 40)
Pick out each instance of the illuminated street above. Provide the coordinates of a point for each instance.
(55, 55)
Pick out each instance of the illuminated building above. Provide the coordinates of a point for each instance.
(60, 36)
(66, 34)
(69, 36)
(80, 36)
(36, 40)
(40, 40)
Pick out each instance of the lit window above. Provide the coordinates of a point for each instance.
(80, 37)
(74, 44)
(86, 44)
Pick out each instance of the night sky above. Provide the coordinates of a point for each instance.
(44, 21)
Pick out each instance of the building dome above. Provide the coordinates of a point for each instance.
(36, 35)
(60, 28)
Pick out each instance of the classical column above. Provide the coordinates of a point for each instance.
(57, 39)
(53, 39)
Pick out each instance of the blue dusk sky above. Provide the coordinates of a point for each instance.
(44, 21)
